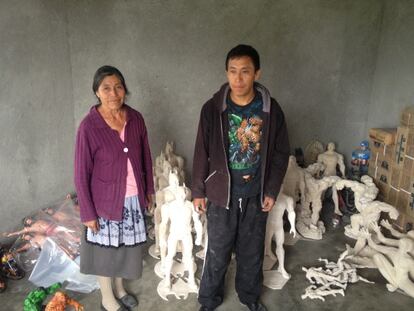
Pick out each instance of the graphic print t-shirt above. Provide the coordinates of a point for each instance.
(245, 136)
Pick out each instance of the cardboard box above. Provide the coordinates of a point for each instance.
(372, 170)
(396, 173)
(407, 183)
(406, 203)
(407, 117)
(383, 175)
(408, 166)
(404, 145)
(404, 223)
(391, 196)
(385, 136)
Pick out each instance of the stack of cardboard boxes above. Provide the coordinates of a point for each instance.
(392, 166)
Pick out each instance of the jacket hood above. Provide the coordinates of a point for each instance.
(221, 95)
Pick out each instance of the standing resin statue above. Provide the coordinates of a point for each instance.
(332, 159)
(178, 214)
(274, 228)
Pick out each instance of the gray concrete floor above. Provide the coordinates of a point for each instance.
(360, 296)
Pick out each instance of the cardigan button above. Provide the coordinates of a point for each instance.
(125, 149)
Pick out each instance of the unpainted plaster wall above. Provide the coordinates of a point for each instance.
(336, 67)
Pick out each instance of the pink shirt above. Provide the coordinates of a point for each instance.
(131, 184)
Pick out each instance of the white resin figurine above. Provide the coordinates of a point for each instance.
(178, 214)
(370, 213)
(332, 280)
(308, 224)
(274, 228)
(166, 195)
(331, 159)
(364, 191)
(395, 264)
(294, 181)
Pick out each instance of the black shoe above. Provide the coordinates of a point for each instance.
(128, 301)
(256, 306)
(203, 308)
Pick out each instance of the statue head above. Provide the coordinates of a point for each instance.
(330, 146)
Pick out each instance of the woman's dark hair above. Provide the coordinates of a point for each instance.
(104, 72)
(244, 50)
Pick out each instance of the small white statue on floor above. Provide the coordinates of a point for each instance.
(274, 228)
(294, 181)
(178, 214)
(331, 159)
(332, 280)
(395, 264)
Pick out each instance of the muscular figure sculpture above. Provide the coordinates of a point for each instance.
(274, 228)
(364, 191)
(331, 160)
(178, 214)
(395, 264)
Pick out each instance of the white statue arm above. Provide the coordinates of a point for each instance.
(382, 249)
(163, 230)
(385, 223)
(198, 226)
(302, 188)
(381, 237)
(341, 164)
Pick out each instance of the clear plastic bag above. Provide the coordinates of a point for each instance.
(54, 265)
(60, 223)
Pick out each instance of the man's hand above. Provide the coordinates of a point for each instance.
(93, 225)
(268, 204)
(199, 205)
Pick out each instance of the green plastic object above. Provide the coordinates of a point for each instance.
(34, 300)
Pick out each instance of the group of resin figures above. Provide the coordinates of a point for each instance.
(301, 198)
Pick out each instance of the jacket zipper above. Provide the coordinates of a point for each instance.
(227, 165)
(209, 176)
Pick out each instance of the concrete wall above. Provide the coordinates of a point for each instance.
(393, 84)
(36, 116)
(330, 64)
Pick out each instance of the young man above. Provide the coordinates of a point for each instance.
(240, 159)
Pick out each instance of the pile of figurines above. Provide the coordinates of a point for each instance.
(174, 221)
(393, 257)
(60, 223)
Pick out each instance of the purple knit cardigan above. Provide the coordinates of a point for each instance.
(101, 165)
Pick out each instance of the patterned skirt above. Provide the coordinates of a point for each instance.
(130, 231)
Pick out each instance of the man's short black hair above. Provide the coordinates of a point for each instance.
(244, 50)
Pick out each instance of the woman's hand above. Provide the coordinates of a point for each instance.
(93, 225)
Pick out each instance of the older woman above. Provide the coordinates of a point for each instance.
(113, 178)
